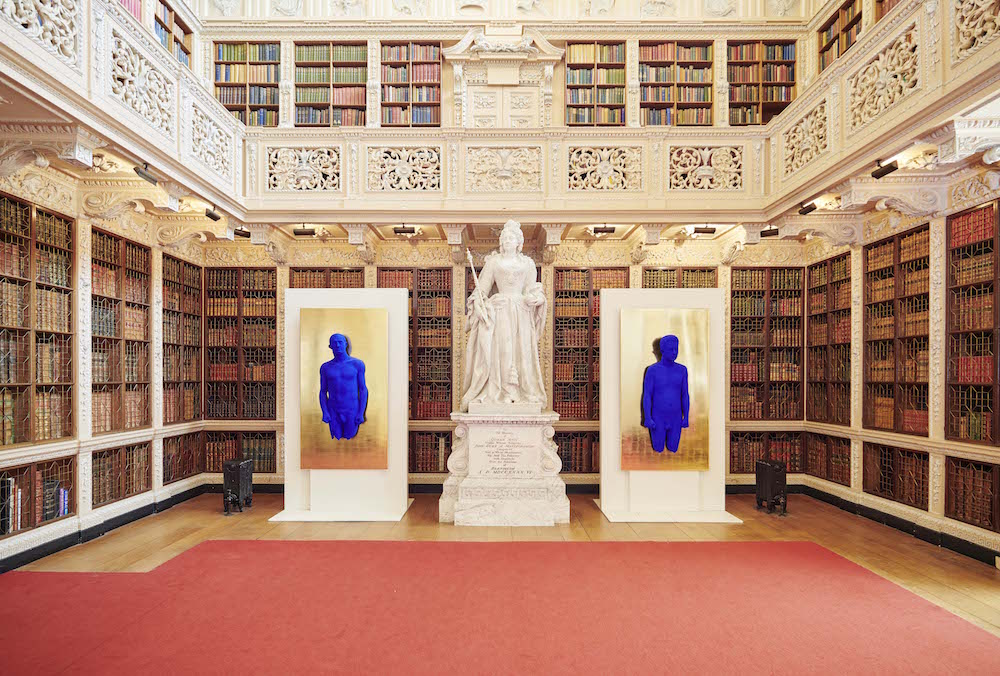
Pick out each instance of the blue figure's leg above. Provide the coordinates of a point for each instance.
(337, 427)
(658, 437)
(674, 437)
(349, 427)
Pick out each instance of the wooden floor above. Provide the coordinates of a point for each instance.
(964, 586)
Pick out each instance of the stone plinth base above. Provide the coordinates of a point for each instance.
(504, 472)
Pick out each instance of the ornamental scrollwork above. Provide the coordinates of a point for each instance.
(303, 169)
(615, 168)
(139, 86)
(888, 78)
(504, 170)
(210, 144)
(706, 168)
(805, 140)
(54, 24)
(409, 169)
(977, 23)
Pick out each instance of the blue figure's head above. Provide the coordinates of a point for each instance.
(669, 345)
(338, 343)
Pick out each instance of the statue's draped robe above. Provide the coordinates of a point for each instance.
(501, 356)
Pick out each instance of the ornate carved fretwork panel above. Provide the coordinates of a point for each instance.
(210, 144)
(977, 23)
(54, 24)
(706, 168)
(608, 168)
(805, 140)
(505, 169)
(139, 86)
(886, 80)
(412, 169)
(303, 169)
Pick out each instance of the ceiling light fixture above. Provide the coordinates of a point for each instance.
(704, 230)
(883, 170)
(143, 173)
(602, 230)
(241, 232)
(807, 208)
(212, 213)
(405, 230)
(304, 231)
(769, 232)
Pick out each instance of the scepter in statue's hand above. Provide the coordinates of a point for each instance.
(480, 299)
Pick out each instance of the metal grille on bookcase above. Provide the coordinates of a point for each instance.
(896, 474)
(429, 451)
(118, 473)
(745, 449)
(219, 447)
(580, 452)
(183, 456)
(261, 448)
(972, 490)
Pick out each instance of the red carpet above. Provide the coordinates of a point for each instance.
(481, 608)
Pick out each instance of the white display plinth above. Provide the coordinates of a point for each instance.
(659, 496)
(504, 471)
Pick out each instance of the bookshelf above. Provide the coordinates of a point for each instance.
(36, 323)
(746, 448)
(429, 452)
(246, 80)
(972, 326)
(679, 278)
(896, 474)
(580, 452)
(576, 333)
(883, 7)
(839, 33)
(240, 343)
(260, 447)
(411, 84)
(766, 344)
(330, 84)
(595, 84)
(326, 278)
(36, 494)
(133, 7)
(119, 473)
(182, 329)
(120, 324)
(761, 77)
(972, 492)
(183, 456)
(897, 302)
(675, 83)
(430, 337)
(828, 458)
(172, 32)
(828, 341)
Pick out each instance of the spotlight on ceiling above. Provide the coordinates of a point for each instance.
(213, 214)
(404, 230)
(769, 232)
(603, 230)
(883, 170)
(704, 230)
(241, 232)
(807, 208)
(143, 173)
(303, 231)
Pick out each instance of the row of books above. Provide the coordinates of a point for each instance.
(671, 51)
(326, 75)
(259, 372)
(786, 306)
(971, 270)
(429, 452)
(750, 279)
(53, 407)
(258, 335)
(744, 94)
(411, 52)
(598, 116)
(972, 310)
(15, 218)
(972, 227)
(652, 117)
(52, 266)
(395, 94)
(51, 229)
(259, 306)
(974, 369)
(693, 95)
(973, 425)
(314, 53)
(746, 402)
(579, 452)
(586, 76)
(658, 74)
(238, 72)
(178, 271)
(418, 115)
(351, 96)
(242, 51)
(53, 310)
(778, 93)
(180, 404)
(774, 72)
(786, 279)
(427, 72)
(13, 303)
(13, 258)
(13, 357)
(13, 416)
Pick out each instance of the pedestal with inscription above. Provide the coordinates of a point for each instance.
(504, 471)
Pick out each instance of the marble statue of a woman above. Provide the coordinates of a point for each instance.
(501, 358)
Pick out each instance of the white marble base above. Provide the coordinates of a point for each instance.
(310, 515)
(675, 516)
(482, 408)
(504, 472)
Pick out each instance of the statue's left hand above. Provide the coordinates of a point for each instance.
(684, 422)
(358, 419)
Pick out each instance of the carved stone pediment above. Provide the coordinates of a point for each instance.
(909, 195)
(38, 144)
(477, 46)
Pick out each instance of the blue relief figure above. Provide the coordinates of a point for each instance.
(665, 400)
(343, 395)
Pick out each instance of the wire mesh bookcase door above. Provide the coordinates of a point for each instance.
(897, 474)
(972, 491)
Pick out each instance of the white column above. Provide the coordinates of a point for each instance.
(721, 86)
(84, 332)
(373, 112)
(286, 85)
(156, 347)
(936, 348)
(632, 83)
(857, 336)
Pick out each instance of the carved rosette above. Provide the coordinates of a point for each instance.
(404, 169)
(976, 24)
(887, 79)
(805, 140)
(303, 169)
(56, 25)
(705, 168)
(137, 84)
(507, 169)
(616, 169)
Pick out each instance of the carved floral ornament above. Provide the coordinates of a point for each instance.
(137, 84)
(892, 75)
(210, 144)
(303, 169)
(613, 169)
(706, 168)
(504, 170)
(805, 140)
(977, 23)
(54, 24)
(411, 169)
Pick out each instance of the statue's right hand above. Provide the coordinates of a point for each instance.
(649, 425)
(326, 418)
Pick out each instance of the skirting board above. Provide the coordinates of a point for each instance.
(308, 515)
(669, 517)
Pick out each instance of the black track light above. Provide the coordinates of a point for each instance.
(404, 230)
(769, 232)
(883, 170)
(241, 232)
(303, 231)
(807, 208)
(704, 230)
(143, 173)
(604, 230)
(213, 214)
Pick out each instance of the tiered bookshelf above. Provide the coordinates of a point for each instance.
(119, 473)
(973, 326)
(36, 323)
(240, 343)
(172, 32)
(679, 278)
(828, 458)
(120, 324)
(883, 7)
(896, 474)
(839, 32)
(972, 492)
(429, 452)
(330, 84)
(36, 494)
(761, 78)
(430, 337)
(246, 80)
(595, 84)
(133, 7)
(326, 278)
(411, 84)
(897, 301)
(580, 452)
(575, 364)
(828, 340)
(675, 83)
(182, 328)
(766, 344)
(746, 448)
(183, 456)
(261, 447)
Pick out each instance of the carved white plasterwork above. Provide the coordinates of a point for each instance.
(659, 8)
(138, 85)
(598, 7)
(411, 169)
(286, 7)
(976, 24)
(105, 164)
(720, 8)
(210, 144)
(884, 81)
(56, 25)
(782, 7)
(616, 168)
(410, 7)
(974, 190)
(705, 168)
(347, 7)
(226, 7)
(805, 140)
(508, 169)
(40, 189)
(303, 169)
